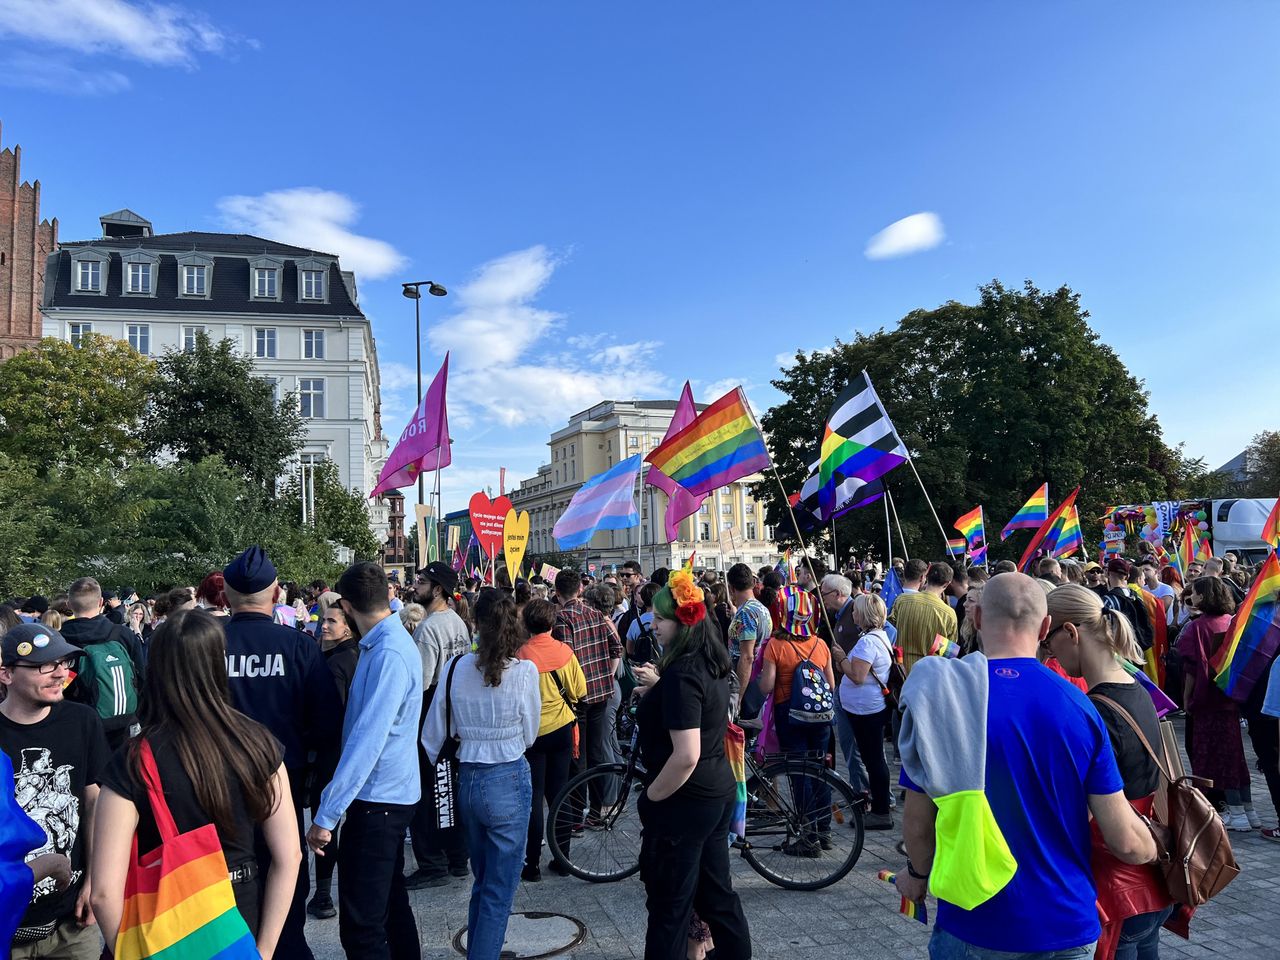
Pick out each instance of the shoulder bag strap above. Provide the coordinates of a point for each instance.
(448, 699)
(564, 694)
(1128, 718)
(888, 650)
(165, 824)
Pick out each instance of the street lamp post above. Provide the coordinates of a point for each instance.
(413, 292)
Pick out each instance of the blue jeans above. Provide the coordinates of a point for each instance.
(495, 803)
(943, 946)
(849, 748)
(798, 739)
(1140, 936)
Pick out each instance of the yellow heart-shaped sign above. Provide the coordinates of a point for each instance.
(515, 540)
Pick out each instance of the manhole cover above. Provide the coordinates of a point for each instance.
(533, 934)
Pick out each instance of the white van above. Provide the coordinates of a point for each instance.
(1236, 526)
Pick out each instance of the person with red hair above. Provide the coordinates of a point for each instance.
(212, 594)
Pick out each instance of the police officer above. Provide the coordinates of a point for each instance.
(277, 676)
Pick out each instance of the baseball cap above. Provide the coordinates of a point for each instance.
(1118, 565)
(1092, 565)
(37, 604)
(437, 571)
(35, 643)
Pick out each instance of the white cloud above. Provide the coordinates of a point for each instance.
(510, 360)
(54, 75)
(154, 33)
(316, 219)
(397, 376)
(920, 231)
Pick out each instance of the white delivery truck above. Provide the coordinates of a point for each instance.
(1236, 526)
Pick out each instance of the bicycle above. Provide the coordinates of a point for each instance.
(598, 839)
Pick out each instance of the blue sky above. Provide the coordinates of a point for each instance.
(620, 197)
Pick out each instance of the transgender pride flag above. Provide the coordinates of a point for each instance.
(604, 502)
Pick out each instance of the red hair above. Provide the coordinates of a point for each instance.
(212, 590)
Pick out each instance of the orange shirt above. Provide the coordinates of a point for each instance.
(787, 653)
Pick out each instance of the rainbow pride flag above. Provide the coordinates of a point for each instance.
(735, 749)
(1271, 529)
(1041, 538)
(1069, 537)
(915, 909)
(721, 445)
(1031, 514)
(957, 547)
(1253, 638)
(971, 524)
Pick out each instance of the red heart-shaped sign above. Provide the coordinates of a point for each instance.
(487, 517)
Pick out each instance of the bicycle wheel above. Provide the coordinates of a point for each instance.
(804, 825)
(593, 828)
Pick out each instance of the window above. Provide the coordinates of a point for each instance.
(139, 277)
(89, 276)
(704, 531)
(313, 344)
(190, 336)
(571, 449)
(195, 280)
(264, 282)
(314, 459)
(78, 330)
(633, 442)
(140, 337)
(312, 285)
(750, 509)
(726, 509)
(311, 398)
(705, 509)
(751, 529)
(264, 342)
(726, 524)
(275, 387)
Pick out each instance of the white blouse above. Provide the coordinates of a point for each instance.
(493, 724)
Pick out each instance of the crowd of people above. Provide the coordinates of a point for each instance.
(446, 714)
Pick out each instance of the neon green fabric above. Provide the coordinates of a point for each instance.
(972, 861)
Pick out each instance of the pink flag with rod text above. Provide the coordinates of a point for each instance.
(424, 444)
(680, 502)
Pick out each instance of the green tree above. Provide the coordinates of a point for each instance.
(60, 403)
(341, 515)
(209, 401)
(991, 399)
(1262, 465)
(28, 529)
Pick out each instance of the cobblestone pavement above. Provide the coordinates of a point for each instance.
(856, 918)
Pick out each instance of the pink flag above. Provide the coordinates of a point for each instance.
(424, 445)
(681, 503)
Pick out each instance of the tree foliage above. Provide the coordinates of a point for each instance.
(1262, 466)
(60, 403)
(991, 399)
(340, 515)
(209, 401)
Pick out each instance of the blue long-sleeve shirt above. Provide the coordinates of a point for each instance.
(379, 762)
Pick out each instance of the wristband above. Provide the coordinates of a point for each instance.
(912, 871)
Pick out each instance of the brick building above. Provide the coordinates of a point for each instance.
(25, 244)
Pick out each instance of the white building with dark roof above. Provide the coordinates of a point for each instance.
(294, 311)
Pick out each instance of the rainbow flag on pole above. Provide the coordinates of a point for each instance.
(957, 547)
(1041, 539)
(1271, 529)
(971, 525)
(1069, 537)
(1031, 514)
(721, 445)
(1253, 638)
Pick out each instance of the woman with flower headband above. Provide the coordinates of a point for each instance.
(689, 798)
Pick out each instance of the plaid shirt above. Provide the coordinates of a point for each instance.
(595, 643)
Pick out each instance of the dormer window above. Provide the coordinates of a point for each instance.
(264, 278)
(265, 282)
(139, 277)
(89, 272)
(311, 279)
(195, 275)
(89, 276)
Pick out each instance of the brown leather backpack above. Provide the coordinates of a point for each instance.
(1194, 850)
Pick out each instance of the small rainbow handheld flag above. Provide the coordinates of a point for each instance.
(1253, 638)
(735, 749)
(915, 909)
(720, 446)
(1031, 514)
(942, 647)
(956, 547)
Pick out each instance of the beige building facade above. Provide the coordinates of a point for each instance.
(728, 529)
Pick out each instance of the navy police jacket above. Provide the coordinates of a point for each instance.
(277, 676)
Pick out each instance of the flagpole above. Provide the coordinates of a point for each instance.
(894, 507)
(986, 544)
(888, 533)
(640, 501)
(835, 550)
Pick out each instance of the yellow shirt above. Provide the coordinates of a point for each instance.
(919, 618)
(554, 659)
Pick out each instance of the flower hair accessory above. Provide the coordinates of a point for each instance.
(690, 605)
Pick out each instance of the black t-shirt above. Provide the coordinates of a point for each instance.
(53, 761)
(687, 697)
(180, 793)
(1140, 774)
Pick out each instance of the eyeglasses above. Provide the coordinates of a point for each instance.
(51, 667)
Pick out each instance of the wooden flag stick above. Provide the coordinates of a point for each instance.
(894, 507)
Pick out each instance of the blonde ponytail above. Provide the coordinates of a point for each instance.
(1078, 605)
